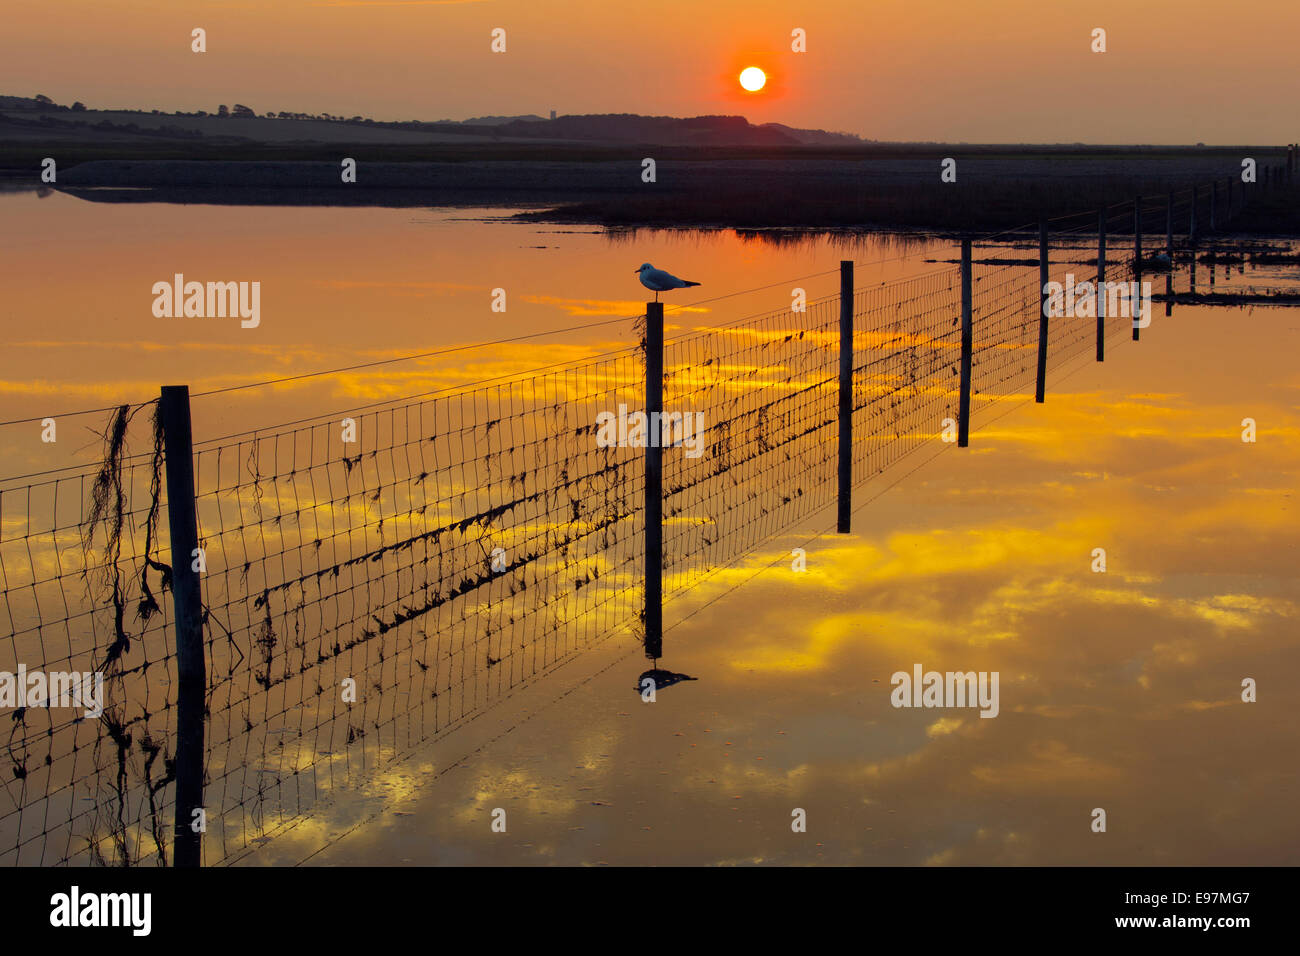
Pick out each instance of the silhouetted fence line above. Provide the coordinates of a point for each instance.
(361, 582)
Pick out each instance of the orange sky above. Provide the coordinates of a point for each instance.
(954, 70)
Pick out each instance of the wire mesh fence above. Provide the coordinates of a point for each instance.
(374, 579)
(767, 393)
(83, 594)
(907, 343)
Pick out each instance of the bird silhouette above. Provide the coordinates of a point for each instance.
(656, 280)
(661, 679)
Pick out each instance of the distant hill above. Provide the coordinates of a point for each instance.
(602, 128)
(499, 120)
(672, 131)
(817, 137)
(27, 103)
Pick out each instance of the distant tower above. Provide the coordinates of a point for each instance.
(552, 114)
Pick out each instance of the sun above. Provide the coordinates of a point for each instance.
(752, 78)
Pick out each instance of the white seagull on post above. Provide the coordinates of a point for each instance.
(656, 280)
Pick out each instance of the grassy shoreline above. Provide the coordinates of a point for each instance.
(870, 188)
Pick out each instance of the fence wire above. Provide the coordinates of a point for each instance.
(373, 580)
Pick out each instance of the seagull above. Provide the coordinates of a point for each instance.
(656, 280)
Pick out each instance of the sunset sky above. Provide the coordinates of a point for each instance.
(948, 70)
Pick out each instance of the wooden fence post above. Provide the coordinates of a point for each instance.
(1137, 233)
(967, 339)
(1169, 252)
(1040, 389)
(187, 604)
(1137, 255)
(654, 483)
(1101, 285)
(653, 611)
(654, 501)
(846, 397)
(1169, 228)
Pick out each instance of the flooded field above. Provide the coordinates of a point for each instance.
(470, 565)
(1119, 690)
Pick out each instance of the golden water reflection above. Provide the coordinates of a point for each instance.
(1119, 690)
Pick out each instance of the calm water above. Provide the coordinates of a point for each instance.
(341, 287)
(1118, 690)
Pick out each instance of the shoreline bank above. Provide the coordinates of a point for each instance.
(867, 194)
